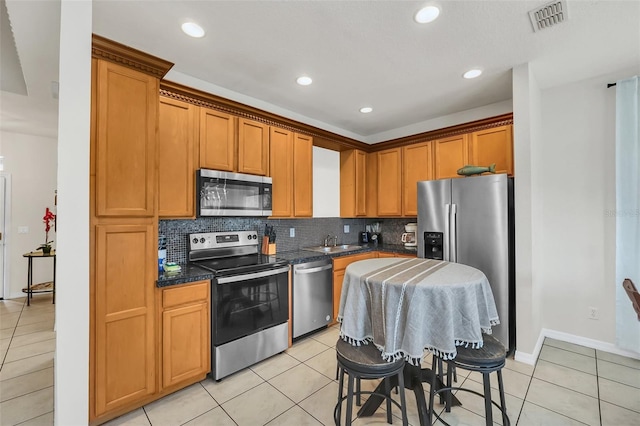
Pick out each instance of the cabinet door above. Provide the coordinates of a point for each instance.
(382, 254)
(124, 309)
(353, 181)
(281, 167)
(217, 140)
(372, 184)
(450, 155)
(253, 147)
(417, 166)
(390, 182)
(185, 338)
(127, 110)
(493, 146)
(303, 175)
(177, 134)
(361, 183)
(338, 276)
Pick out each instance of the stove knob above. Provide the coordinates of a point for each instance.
(195, 241)
(202, 240)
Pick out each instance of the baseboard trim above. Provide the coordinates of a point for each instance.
(531, 358)
(590, 343)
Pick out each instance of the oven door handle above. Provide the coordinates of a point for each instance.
(245, 277)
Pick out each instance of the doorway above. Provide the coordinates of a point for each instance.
(5, 197)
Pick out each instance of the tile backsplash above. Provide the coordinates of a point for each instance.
(308, 232)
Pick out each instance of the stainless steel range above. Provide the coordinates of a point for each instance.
(250, 299)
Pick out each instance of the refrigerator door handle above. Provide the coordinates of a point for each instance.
(453, 243)
(447, 232)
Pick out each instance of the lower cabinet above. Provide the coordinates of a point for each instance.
(123, 337)
(339, 266)
(185, 333)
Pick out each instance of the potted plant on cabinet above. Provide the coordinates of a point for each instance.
(47, 218)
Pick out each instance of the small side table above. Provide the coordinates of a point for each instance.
(39, 255)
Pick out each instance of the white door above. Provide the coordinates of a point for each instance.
(3, 186)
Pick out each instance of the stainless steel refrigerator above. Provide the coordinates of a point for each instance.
(470, 221)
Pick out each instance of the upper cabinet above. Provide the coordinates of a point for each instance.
(479, 148)
(494, 145)
(291, 164)
(450, 155)
(353, 183)
(281, 166)
(253, 147)
(302, 175)
(390, 182)
(417, 166)
(126, 108)
(177, 158)
(217, 140)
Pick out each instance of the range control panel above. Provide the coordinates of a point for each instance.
(211, 240)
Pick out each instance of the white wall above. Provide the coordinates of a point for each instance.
(564, 152)
(578, 177)
(71, 396)
(326, 183)
(32, 162)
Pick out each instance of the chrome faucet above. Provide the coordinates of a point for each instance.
(326, 240)
(335, 240)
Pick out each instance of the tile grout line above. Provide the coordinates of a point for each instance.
(12, 334)
(598, 389)
(28, 420)
(28, 393)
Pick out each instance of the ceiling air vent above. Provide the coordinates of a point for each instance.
(550, 14)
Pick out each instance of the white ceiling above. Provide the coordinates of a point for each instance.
(357, 52)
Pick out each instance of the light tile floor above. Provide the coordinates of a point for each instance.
(570, 385)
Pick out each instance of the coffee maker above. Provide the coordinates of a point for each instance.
(409, 238)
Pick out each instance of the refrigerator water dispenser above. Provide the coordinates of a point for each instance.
(433, 245)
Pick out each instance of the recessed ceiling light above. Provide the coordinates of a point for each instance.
(366, 110)
(304, 80)
(427, 14)
(472, 73)
(192, 29)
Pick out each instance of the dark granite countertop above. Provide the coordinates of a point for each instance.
(302, 256)
(191, 273)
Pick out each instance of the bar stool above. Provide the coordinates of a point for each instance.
(486, 360)
(365, 362)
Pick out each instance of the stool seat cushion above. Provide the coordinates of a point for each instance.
(365, 358)
(491, 353)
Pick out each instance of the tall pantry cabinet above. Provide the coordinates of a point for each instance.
(123, 228)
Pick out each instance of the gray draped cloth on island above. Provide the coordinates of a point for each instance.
(407, 306)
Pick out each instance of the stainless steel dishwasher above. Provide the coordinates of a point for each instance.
(312, 296)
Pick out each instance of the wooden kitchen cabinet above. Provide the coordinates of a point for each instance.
(494, 145)
(253, 147)
(417, 165)
(372, 184)
(390, 182)
(177, 158)
(186, 324)
(123, 305)
(217, 140)
(353, 183)
(281, 167)
(339, 266)
(126, 111)
(291, 169)
(450, 154)
(302, 175)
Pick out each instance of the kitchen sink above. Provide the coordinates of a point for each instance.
(333, 249)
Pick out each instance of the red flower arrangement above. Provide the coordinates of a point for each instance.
(47, 218)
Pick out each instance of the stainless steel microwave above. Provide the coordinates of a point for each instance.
(232, 194)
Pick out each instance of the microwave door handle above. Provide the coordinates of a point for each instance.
(246, 277)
